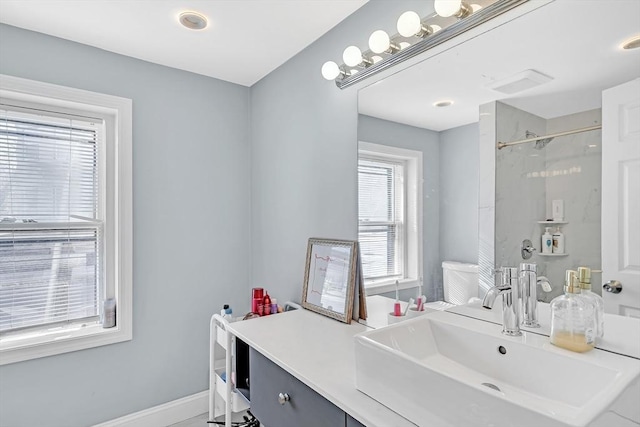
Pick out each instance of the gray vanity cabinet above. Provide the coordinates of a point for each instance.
(280, 400)
(351, 422)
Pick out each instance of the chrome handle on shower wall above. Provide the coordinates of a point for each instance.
(526, 249)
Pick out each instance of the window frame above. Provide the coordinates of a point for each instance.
(118, 256)
(413, 213)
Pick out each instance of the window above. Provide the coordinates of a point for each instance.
(65, 218)
(381, 217)
(389, 216)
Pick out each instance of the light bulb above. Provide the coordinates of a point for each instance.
(330, 70)
(409, 24)
(379, 41)
(446, 8)
(352, 56)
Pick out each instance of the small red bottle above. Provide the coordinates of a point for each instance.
(267, 304)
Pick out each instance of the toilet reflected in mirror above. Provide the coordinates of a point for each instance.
(460, 282)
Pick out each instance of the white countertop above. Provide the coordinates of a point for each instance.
(378, 307)
(318, 351)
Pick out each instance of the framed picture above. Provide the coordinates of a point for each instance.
(330, 278)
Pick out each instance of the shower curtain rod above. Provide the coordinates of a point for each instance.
(501, 145)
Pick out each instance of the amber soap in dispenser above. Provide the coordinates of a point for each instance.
(572, 318)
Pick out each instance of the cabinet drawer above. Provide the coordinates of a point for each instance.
(305, 407)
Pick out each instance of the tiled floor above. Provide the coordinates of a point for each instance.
(201, 421)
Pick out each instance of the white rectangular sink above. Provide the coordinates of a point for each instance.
(465, 372)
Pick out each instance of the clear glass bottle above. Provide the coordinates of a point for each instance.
(584, 277)
(572, 318)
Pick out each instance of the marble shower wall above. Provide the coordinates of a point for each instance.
(520, 197)
(573, 173)
(527, 180)
(487, 197)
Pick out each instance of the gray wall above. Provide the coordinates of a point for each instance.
(459, 183)
(191, 235)
(304, 152)
(378, 131)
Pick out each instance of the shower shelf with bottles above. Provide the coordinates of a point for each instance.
(552, 222)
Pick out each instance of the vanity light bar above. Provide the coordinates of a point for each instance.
(348, 75)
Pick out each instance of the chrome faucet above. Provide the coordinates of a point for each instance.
(528, 285)
(510, 291)
(544, 283)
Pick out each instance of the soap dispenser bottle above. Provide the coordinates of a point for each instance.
(572, 318)
(547, 241)
(584, 277)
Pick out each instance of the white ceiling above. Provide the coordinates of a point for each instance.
(245, 39)
(575, 42)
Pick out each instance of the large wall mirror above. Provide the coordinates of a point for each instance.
(435, 108)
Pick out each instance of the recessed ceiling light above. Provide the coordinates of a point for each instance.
(632, 43)
(444, 103)
(193, 20)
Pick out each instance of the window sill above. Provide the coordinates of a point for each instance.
(20, 348)
(382, 287)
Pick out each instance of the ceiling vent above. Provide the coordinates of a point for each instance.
(519, 82)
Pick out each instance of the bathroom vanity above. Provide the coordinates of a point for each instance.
(305, 368)
(310, 358)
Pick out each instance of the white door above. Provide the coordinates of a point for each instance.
(621, 197)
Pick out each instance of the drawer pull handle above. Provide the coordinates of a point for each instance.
(283, 398)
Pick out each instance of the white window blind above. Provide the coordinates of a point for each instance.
(50, 218)
(380, 217)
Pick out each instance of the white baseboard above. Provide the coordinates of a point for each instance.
(165, 414)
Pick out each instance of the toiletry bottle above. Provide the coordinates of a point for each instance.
(256, 298)
(267, 304)
(572, 318)
(274, 306)
(226, 313)
(558, 241)
(109, 313)
(547, 241)
(584, 277)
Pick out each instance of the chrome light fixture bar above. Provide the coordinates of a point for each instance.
(385, 52)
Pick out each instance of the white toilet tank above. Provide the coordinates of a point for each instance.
(460, 281)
